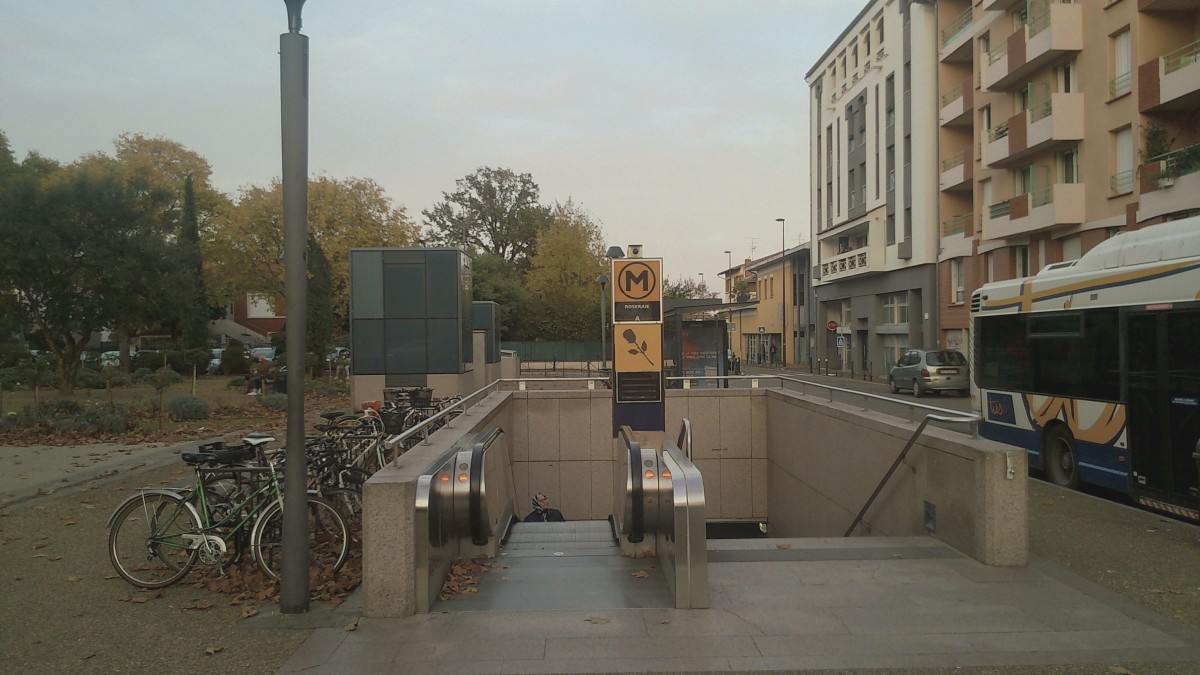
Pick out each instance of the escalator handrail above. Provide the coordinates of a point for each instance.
(475, 497)
(685, 438)
(637, 521)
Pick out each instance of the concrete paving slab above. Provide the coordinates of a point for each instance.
(882, 611)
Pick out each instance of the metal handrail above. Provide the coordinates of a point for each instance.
(424, 426)
(685, 438)
(830, 391)
(971, 419)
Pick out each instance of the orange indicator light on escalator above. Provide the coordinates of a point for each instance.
(666, 474)
(444, 478)
(462, 477)
(649, 474)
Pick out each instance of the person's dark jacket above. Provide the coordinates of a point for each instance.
(547, 516)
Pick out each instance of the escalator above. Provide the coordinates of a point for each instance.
(472, 554)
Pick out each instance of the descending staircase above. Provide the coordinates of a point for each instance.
(565, 566)
(574, 538)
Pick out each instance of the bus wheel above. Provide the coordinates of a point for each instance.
(1060, 460)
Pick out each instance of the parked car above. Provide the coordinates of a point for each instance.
(263, 354)
(928, 371)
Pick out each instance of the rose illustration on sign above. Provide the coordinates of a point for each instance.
(631, 338)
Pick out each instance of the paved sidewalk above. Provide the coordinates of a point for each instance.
(42, 469)
(801, 604)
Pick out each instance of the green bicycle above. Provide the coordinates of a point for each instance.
(158, 535)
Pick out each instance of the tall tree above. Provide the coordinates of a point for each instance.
(246, 248)
(319, 333)
(194, 314)
(491, 210)
(496, 280)
(564, 295)
(80, 246)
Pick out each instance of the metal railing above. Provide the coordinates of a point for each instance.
(973, 420)
(956, 27)
(997, 52)
(1041, 196)
(1041, 110)
(952, 96)
(956, 225)
(957, 160)
(997, 132)
(1120, 85)
(1181, 58)
(999, 210)
(1121, 182)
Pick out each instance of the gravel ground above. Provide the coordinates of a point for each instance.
(67, 611)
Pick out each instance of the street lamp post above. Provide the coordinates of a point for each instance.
(783, 295)
(293, 82)
(703, 288)
(728, 282)
(602, 280)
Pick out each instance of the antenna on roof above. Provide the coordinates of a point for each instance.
(753, 242)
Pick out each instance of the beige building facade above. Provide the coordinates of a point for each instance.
(1059, 125)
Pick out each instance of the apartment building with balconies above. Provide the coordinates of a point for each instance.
(875, 187)
(1056, 121)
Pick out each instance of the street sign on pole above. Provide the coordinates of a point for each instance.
(832, 325)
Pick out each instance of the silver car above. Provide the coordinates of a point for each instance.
(926, 371)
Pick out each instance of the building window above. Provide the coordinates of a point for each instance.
(1068, 166)
(259, 307)
(1021, 261)
(893, 346)
(1071, 247)
(895, 308)
(1122, 69)
(956, 281)
(1123, 152)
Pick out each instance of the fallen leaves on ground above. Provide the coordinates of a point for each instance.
(596, 620)
(640, 574)
(464, 578)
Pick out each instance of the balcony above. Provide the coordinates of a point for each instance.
(839, 261)
(1052, 124)
(1052, 36)
(1177, 76)
(957, 105)
(956, 39)
(1170, 183)
(956, 172)
(1001, 5)
(1046, 208)
(1167, 5)
(957, 225)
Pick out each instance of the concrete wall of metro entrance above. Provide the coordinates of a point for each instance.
(825, 460)
(803, 464)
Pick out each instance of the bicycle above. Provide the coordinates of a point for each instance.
(158, 535)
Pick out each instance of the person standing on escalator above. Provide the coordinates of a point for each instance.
(542, 513)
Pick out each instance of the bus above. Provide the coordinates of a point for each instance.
(1093, 366)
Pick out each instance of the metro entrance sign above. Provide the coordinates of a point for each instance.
(637, 290)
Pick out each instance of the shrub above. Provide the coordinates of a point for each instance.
(148, 360)
(236, 383)
(141, 374)
(188, 407)
(274, 401)
(62, 406)
(165, 377)
(87, 378)
(12, 354)
(183, 361)
(234, 361)
(121, 380)
(110, 421)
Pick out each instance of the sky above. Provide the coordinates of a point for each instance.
(680, 125)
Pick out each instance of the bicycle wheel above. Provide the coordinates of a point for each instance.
(349, 502)
(146, 543)
(328, 538)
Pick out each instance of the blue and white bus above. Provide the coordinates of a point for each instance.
(1093, 366)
